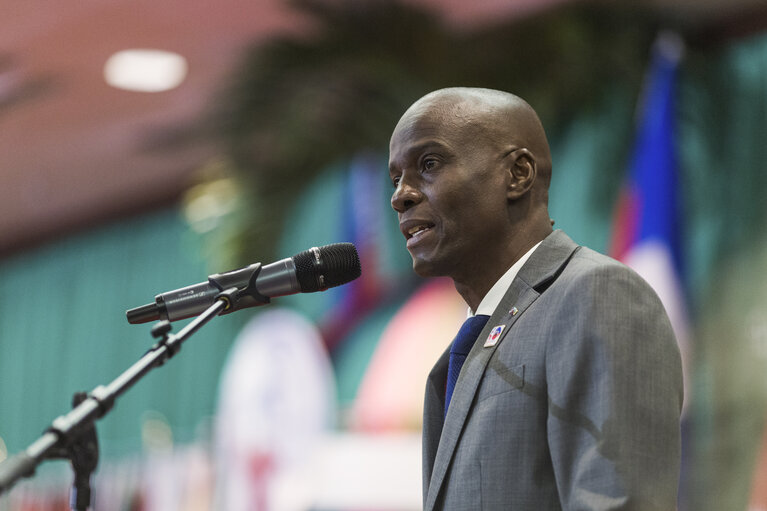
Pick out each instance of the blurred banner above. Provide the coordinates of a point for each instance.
(276, 401)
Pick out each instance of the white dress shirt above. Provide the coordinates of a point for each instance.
(493, 297)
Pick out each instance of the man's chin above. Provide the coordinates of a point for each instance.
(426, 268)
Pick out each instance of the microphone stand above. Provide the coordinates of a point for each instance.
(73, 436)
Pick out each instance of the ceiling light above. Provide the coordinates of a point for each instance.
(145, 70)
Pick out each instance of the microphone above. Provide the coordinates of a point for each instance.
(316, 269)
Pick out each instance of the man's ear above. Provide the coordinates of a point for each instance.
(522, 170)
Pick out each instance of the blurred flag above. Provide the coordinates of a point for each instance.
(362, 223)
(646, 234)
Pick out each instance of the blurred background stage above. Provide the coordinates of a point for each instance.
(266, 133)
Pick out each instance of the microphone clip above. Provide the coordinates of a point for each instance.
(236, 298)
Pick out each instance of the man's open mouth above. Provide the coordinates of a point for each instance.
(418, 229)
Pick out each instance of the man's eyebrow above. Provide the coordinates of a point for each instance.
(419, 148)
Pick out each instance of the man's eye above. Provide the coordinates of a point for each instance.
(429, 163)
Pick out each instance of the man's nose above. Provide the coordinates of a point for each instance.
(405, 197)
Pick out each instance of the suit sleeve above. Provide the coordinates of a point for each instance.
(614, 379)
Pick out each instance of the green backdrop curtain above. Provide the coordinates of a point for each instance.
(63, 329)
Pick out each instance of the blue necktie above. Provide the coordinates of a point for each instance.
(461, 346)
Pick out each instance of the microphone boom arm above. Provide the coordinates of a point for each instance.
(66, 431)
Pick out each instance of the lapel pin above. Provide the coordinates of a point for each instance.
(513, 311)
(494, 335)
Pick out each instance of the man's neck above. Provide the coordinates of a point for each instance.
(476, 285)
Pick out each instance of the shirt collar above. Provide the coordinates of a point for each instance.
(493, 297)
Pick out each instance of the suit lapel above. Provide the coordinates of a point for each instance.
(468, 382)
(433, 411)
(543, 266)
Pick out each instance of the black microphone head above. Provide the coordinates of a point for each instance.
(320, 268)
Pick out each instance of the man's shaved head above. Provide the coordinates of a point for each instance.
(492, 114)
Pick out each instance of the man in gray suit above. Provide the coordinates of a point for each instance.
(570, 394)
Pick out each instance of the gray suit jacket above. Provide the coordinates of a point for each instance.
(577, 405)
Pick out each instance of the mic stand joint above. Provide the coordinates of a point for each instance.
(161, 331)
(81, 448)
